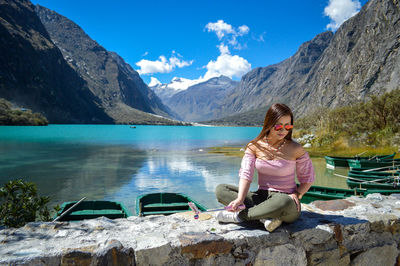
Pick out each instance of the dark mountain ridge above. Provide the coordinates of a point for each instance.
(201, 101)
(117, 85)
(33, 73)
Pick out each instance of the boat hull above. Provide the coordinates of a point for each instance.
(327, 193)
(164, 204)
(93, 209)
(334, 161)
(388, 185)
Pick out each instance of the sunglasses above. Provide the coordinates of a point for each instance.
(280, 127)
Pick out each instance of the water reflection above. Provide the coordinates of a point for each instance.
(191, 172)
(67, 172)
(70, 172)
(326, 177)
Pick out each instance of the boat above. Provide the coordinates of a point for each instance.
(372, 175)
(91, 209)
(389, 169)
(327, 193)
(373, 163)
(164, 204)
(364, 173)
(335, 161)
(389, 183)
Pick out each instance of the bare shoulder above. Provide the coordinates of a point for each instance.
(251, 148)
(297, 149)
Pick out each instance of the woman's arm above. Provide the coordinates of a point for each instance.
(305, 174)
(302, 189)
(244, 186)
(246, 173)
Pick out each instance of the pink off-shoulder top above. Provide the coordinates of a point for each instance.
(277, 175)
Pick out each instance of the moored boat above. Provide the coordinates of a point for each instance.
(373, 163)
(327, 193)
(164, 204)
(337, 161)
(375, 175)
(389, 183)
(389, 169)
(364, 173)
(91, 209)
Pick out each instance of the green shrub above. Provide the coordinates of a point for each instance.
(373, 123)
(20, 204)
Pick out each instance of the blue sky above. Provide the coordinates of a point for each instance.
(199, 39)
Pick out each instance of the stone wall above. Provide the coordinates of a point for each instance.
(355, 231)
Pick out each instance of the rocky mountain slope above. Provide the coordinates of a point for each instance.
(166, 90)
(33, 73)
(118, 86)
(276, 83)
(201, 101)
(360, 59)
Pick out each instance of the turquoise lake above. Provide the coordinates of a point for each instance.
(118, 162)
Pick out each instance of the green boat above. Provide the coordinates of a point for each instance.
(91, 209)
(377, 169)
(362, 176)
(327, 193)
(164, 204)
(389, 183)
(373, 163)
(356, 173)
(334, 161)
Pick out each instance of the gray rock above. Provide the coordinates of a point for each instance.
(317, 238)
(283, 255)
(385, 255)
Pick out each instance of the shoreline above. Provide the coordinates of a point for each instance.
(238, 151)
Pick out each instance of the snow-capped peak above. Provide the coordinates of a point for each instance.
(154, 82)
(176, 84)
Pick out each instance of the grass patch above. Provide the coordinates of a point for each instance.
(316, 151)
(228, 151)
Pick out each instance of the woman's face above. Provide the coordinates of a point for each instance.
(282, 132)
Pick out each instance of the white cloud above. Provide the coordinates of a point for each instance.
(146, 53)
(162, 65)
(220, 28)
(154, 82)
(243, 30)
(227, 65)
(341, 10)
(260, 37)
(228, 33)
(223, 49)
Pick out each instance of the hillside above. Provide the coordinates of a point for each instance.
(361, 59)
(119, 88)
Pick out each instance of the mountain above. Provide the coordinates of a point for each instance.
(119, 88)
(362, 59)
(276, 83)
(359, 60)
(201, 101)
(167, 90)
(34, 74)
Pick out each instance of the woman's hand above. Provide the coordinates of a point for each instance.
(295, 197)
(234, 205)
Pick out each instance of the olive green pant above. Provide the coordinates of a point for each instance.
(261, 204)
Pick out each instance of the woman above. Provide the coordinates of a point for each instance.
(277, 158)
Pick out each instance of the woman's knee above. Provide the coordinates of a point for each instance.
(220, 190)
(285, 201)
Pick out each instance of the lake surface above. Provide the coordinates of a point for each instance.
(118, 162)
